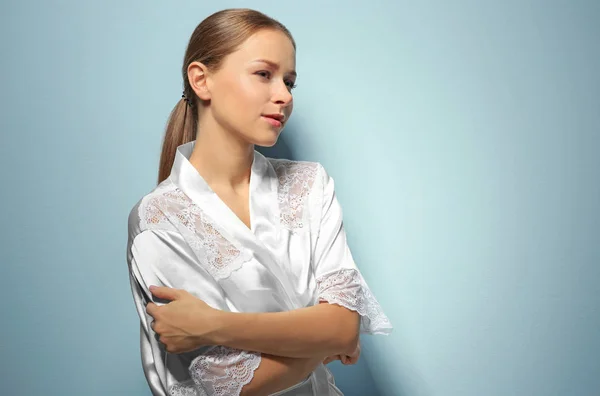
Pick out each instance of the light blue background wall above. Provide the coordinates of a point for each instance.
(463, 137)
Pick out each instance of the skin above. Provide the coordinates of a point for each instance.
(234, 98)
(232, 105)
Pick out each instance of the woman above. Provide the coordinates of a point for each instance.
(257, 289)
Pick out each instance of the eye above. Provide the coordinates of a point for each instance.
(267, 74)
(264, 73)
(291, 85)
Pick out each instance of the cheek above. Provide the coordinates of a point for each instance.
(240, 100)
(232, 92)
(244, 92)
(289, 110)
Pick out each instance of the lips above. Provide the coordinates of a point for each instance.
(278, 117)
(272, 121)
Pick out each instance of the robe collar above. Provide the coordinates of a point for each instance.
(263, 184)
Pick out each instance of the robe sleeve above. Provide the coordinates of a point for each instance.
(339, 281)
(163, 258)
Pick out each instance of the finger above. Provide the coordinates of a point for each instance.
(164, 292)
(163, 340)
(155, 327)
(151, 309)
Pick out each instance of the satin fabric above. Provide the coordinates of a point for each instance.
(182, 235)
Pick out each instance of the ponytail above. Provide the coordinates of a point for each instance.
(181, 129)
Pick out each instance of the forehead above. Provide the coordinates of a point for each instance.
(271, 45)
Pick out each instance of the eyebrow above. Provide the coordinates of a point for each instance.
(275, 66)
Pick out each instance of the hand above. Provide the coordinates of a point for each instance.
(345, 359)
(353, 357)
(185, 323)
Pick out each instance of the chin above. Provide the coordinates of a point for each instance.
(266, 140)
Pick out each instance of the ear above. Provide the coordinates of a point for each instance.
(197, 74)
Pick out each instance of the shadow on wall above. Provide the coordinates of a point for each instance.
(280, 150)
(355, 380)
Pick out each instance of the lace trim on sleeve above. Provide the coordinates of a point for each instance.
(348, 288)
(224, 371)
(187, 388)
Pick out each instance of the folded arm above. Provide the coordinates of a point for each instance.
(218, 367)
(318, 331)
(331, 328)
(277, 373)
(223, 370)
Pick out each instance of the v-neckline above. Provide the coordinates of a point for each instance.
(262, 195)
(228, 209)
(262, 239)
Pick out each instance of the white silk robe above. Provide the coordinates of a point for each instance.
(182, 235)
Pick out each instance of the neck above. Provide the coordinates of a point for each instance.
(222, 159)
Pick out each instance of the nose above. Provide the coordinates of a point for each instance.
(282, 94)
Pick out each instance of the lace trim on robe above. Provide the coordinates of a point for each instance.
(296, 179)
(175, 208)
(187, 388)
(348, 288)
(223, 371)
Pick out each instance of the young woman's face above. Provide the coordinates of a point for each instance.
(253, 88)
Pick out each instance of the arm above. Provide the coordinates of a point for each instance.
(331, 328)
(321, 330)
(277, 373)
(226, 371)
(154, 261)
